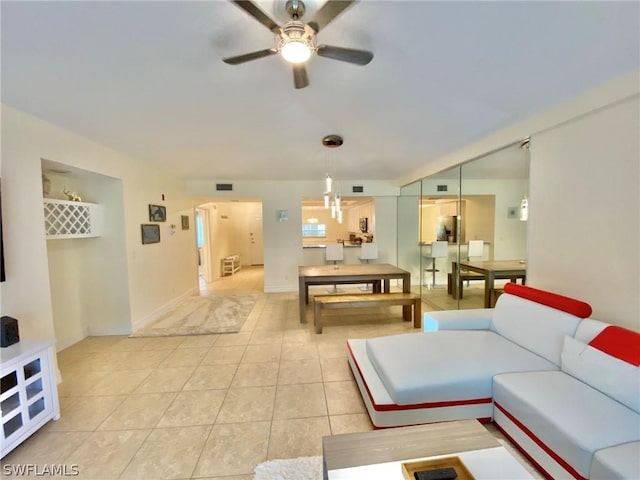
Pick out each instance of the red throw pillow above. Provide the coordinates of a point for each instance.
(619, 343)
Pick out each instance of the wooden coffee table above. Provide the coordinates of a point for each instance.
(380, 453)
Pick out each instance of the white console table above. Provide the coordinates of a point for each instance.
(28, 390)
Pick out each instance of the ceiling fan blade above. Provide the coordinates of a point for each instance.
(330, 10)
(255, 11)
(359, 57)
(249, 56)
(300, 79)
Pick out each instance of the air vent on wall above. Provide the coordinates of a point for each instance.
(442, 188)
(221, 187)
(357, 189)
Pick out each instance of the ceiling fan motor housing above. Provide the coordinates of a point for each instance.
(295, 9)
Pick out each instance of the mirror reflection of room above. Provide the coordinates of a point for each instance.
(475, 209)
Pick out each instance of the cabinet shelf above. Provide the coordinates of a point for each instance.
(67, 219)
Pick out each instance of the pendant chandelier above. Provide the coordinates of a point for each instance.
(331, 197)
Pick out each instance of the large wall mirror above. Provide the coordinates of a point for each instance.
(460, 228)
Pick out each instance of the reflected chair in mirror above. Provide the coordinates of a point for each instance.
(439, 249)
(475, 251)
(334, 252)
(368, 251)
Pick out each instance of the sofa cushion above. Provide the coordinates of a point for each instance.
(536, 327)
(566, 415)
(613, 377)
(621, 462)
(550, 299)
(588, 329)
(446, 365)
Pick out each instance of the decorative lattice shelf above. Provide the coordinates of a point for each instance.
(67, 219)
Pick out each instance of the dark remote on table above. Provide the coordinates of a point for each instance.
(437, 474)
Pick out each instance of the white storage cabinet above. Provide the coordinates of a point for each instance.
(28, 390)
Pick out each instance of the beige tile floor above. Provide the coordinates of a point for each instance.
(211, 406)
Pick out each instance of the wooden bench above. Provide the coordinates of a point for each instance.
(366, 300)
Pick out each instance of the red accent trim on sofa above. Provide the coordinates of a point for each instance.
(620, 343)
(481, 420)
(554, 300)
(540, 443)
(527, 455)
(414, 406)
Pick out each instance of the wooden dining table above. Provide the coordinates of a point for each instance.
(492, 270)
(379, 274)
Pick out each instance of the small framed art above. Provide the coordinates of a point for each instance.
(157, 213)
(150, 233)
(184, 219)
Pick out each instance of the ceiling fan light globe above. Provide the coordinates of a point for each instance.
(295, 52)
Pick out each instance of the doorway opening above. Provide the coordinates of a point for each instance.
(228, 231)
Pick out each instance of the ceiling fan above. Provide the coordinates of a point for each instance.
(296, 41)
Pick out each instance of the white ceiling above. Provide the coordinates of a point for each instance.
(147, 78)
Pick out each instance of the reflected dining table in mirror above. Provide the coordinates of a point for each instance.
(492, 270)
(379, 274)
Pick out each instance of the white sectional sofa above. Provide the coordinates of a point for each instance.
(565, 389)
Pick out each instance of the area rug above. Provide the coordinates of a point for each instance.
(302, 468)
(201, 315)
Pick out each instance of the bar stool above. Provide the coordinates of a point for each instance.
(368, 251)
(475, 249)
(334, 252)
(439, 249)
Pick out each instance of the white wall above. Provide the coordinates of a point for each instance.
(158, 274)
(584, 229)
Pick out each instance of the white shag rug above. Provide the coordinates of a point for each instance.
(302, 468)
(201, 315)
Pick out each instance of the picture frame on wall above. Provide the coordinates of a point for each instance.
(150, 233)
(184, 220)
(157, 213)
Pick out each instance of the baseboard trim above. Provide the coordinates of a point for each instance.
(279, 289)
(66, 342)
(162, 310)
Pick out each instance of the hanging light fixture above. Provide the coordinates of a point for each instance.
(331, 142)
